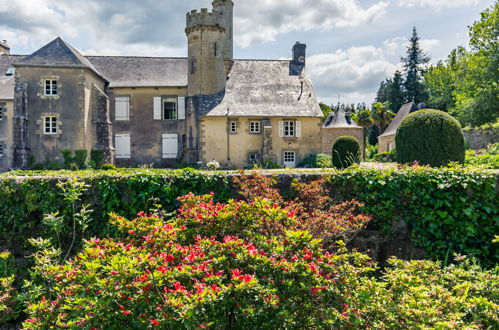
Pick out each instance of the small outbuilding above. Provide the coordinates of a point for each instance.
(339, 124)
(387, 139)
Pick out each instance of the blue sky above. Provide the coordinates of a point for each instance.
(351, 45)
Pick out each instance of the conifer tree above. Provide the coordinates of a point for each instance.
(413, 66)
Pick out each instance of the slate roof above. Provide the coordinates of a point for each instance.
(261, 88)
(57, 53)
(340, 120)
(7, 82)
(404, 111)
(126, 71)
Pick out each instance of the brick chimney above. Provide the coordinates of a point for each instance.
(4, 48)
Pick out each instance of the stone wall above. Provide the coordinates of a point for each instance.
(480, 138)
(330, 135)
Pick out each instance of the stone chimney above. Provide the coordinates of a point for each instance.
(297, 63)
(4, 48)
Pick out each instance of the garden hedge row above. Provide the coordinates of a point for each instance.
(449, 210)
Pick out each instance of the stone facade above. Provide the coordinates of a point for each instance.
(6, 120)
(241, 148)
(161, 111)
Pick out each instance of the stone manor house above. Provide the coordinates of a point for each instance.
(159, 110)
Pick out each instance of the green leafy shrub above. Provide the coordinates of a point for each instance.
(447, 209)
(152, 280)
(316, 161)
(386, 157)
(488, 158)
(154, 277)
(80, 158)
(430, 137)
(10, 305)
(423, 294)
(346, 151)
(97, 156)
(109, 167)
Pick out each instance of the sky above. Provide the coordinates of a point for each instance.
(351, 45)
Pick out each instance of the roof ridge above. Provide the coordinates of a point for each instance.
(136, 56)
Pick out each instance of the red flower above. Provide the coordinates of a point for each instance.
(236, 272)
(154, 322)
(215, 288)
(178, 286)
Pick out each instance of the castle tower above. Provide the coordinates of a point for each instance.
(206, 37)
(225, 11)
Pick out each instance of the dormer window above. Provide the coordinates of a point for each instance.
(51, 87)
(10, 71)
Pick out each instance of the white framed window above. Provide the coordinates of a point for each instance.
(289, 128)
(50, 125)
(255, 127)
(233, 127)
(169, 108)
(390, 146)
(170, 146)
(1, 149)
(122, 146)
(289, 159)
(51, 87)
(2, 112)
(122, 108)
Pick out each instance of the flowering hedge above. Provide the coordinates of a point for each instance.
(153, 280)
(158, 276)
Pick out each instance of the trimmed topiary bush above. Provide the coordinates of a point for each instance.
(316, 161)
(346, 151)
(430, 137)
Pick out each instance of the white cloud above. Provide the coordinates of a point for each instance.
(256, 24)
(355, 73)
(352, 73)
(437, 4)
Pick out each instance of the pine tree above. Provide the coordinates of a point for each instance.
(413, 65)
(396, 95)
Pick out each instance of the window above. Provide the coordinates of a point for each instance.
(255, 127)
(289, 128)
(2, 112)
(170, 108)
(50, 87)
(1, 149)
(232, 127)
(122, 108)
(50, 123)
(122, 146)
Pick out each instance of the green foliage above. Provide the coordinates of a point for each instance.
(346, 151)
(382, 115)
(386, 157)
(97, 156)
(371, 151)
(156, 276)
(372, 135)
(109, 167)
(467, 83)
(76, 161)
(430, 137)
(316, 161)
(392, 92)
(414, 66)
(448, 209)
(325, 110)
(465, 296)
(488, 158)
(10, 306)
